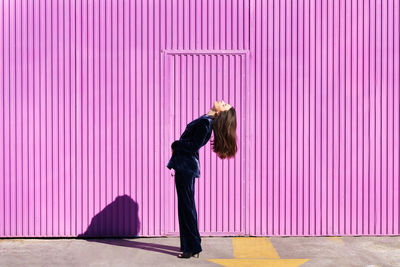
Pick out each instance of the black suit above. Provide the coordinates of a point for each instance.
(185, 161)
(186, 150)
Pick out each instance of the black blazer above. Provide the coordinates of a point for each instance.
(185, 157)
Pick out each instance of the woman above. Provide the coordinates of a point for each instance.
(185, 161)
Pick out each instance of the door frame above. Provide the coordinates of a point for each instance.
(167, 130)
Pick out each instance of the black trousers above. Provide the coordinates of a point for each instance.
(188, 228)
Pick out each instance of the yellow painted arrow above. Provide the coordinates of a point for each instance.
(256, 251)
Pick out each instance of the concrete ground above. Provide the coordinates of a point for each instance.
(217, 251)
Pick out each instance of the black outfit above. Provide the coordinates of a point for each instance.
(185, 161)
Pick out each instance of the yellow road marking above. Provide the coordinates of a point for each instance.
(253, 248)
(337, 239)
(259, 262)
(256, 251)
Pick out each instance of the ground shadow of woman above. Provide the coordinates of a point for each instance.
(119, 220)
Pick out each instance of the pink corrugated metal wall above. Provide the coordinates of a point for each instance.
(324, 151)
(92, 93)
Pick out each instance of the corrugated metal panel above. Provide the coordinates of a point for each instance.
(82, 146)
(325, 116)
(82, 116)
(74, 141)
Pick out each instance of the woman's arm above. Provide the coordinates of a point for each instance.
(195, 143)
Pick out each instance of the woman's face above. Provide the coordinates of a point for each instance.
(220, 106)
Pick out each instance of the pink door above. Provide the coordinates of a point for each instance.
(193, 81)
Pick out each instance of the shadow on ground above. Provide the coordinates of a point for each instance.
(120, 219)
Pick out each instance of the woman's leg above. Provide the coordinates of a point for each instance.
(189, 233)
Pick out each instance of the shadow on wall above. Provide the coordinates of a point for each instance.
(119, 218)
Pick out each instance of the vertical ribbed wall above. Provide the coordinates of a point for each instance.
(82, 148)
(325, 116)
(84, 141)
(80, 118)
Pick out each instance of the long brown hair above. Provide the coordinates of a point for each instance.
(224, 127)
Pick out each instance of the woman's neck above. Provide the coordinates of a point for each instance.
(211, 113)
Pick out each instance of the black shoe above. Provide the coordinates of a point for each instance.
(187, 255)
